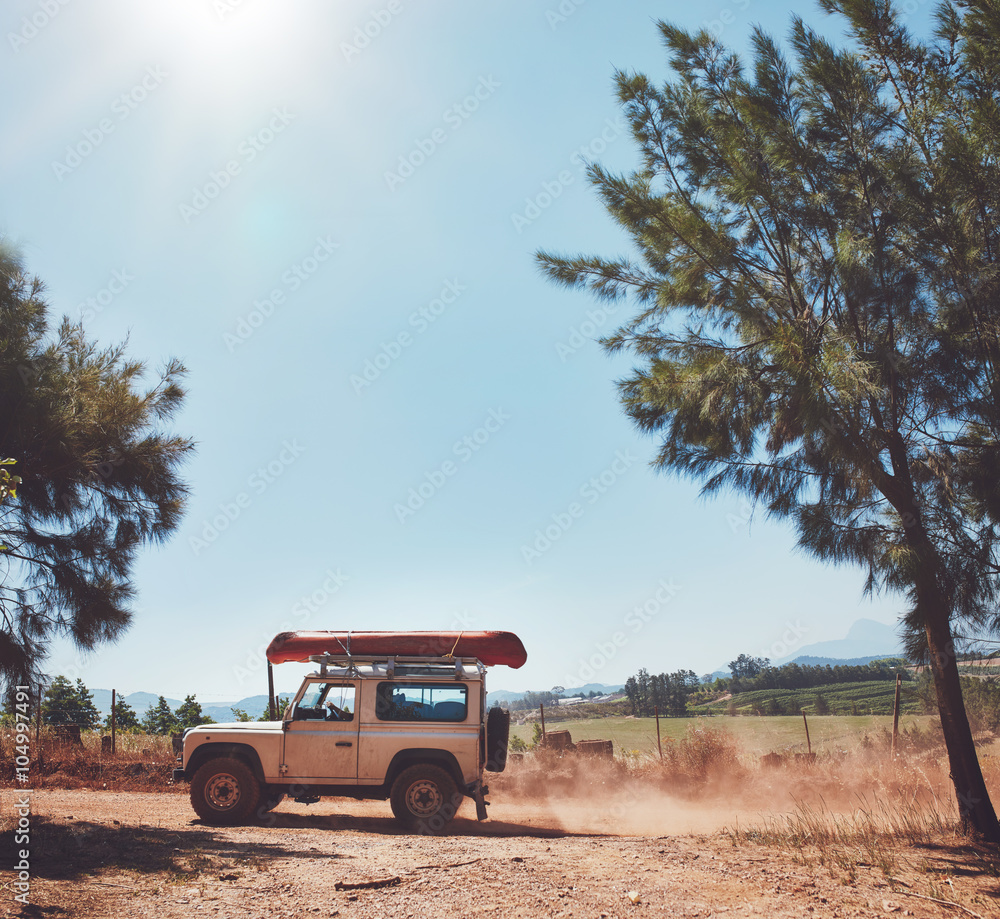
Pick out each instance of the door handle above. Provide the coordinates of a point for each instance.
(344, 743)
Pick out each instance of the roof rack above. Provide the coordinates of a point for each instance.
(350, 662)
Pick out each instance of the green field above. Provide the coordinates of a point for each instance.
(755, 735)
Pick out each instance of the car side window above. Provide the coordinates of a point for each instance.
(326, 702)
(421, 702)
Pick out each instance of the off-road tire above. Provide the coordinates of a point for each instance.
(497, 738)
(424, 799)
(225, 792)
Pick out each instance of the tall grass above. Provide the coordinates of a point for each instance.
(141, 761)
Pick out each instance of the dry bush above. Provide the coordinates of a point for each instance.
(702, 756)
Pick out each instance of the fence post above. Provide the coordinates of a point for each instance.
(270, 692)
(541, 708)
(895, 715)
(659, 746)
(113, 720)
(809, 745)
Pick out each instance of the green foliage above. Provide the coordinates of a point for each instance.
(746, 667)
(795, 676)
(189, 714)
(982, 700)
(666, 692)
(815, 284)
(126, 720)
(517, 745)
(65, 703)
(99, 476)
(534, 699)
(280, 706)
(8, 482)
(240, 715)
(159, 719)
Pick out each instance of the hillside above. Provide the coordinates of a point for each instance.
(866, 698)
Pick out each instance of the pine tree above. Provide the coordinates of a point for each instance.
(816, 280)
(189, 714)
(280, 705)
(125, 718)
(65, 703)
(98, 477)
(159, 719)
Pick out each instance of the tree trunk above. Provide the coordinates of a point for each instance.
(934, 608)
(974, 806)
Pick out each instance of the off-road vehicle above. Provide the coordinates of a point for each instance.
(411, 727)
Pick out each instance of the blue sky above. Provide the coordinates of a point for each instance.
(329, 213)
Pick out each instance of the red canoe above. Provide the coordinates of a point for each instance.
(491, 648)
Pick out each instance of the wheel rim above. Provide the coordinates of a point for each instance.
(424, 798)
(222, 792)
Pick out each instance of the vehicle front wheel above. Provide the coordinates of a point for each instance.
(225, 792)
(424, 799)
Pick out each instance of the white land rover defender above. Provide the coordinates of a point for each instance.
(414, 729)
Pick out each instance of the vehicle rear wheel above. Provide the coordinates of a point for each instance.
(225, 792)
(424, 798)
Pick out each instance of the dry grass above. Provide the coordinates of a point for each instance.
(142, 762)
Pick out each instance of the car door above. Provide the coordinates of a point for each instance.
(321, 737)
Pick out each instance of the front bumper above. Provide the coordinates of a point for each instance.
(179, 775)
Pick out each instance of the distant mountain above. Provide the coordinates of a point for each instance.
(866, 638)
(139, 701)
(866, 641)
(220, 711)
(253, 705)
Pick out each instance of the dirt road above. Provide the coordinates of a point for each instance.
(96, 854)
